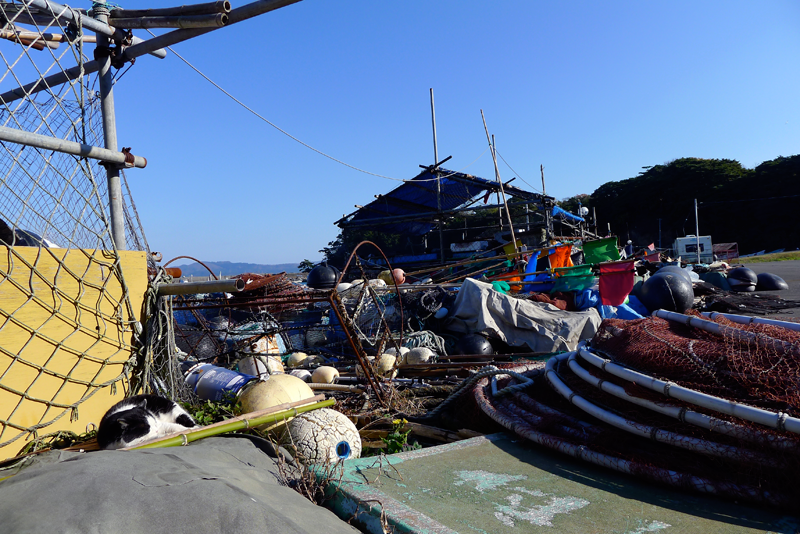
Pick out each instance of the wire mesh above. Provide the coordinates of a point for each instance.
(70, 304)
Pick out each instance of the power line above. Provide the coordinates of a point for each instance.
(290, 136)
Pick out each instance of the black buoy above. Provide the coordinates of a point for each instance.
(474, 344)
(322, 277)
(742, 279)
(770, 282)
(675, 269)
(667, 291)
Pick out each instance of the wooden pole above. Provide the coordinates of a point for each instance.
(499, 181)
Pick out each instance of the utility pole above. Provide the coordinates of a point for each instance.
(696, 231)
(659, 233)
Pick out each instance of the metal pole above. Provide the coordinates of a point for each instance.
(212, 286)
(99, 26)
(12, 135)
(438, 180)
(547, 222)
(696, 231)
(100, 11)
(140, 48)
(659, 234)
(433, 120)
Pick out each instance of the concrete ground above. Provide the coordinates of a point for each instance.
(789, 270)
(501, 484)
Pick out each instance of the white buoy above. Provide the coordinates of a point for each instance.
(419, 355)
(386, 368)
(302, 374)
(296, 359)
(324, 436)
(325, 375)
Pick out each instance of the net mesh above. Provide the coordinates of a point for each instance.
(69, 302)
(760, 370)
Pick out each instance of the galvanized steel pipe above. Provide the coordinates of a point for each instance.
(67, 14)
(220, 6)
(216, 20)
(140, 48)
(192, 288)
(12, 135)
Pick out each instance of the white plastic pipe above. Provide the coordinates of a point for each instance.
(780, 420)
(583, 452)
(646, 431)
(760, 340)
(744, 319)
(682, 414)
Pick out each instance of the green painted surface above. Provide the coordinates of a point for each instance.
(503, 485)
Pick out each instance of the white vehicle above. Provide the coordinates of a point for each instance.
(686, 248)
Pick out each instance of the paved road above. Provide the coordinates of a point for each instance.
(789, 270)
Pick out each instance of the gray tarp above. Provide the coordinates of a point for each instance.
(215, 485)
(543, 327)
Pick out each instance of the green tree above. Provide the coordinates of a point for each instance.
(305, 266)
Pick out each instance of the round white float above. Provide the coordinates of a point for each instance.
(324, 436)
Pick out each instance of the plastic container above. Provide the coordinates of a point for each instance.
(210, 382)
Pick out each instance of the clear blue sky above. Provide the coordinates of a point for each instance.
(592, 90)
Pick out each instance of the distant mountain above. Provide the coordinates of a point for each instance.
(228, 268)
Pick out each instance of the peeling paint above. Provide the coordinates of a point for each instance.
(540, 514)
(654, 526)
(486, 480)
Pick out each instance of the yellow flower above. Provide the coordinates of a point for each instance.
(396, 421)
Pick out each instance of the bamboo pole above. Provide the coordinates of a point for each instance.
(242, 422)
(499, 181)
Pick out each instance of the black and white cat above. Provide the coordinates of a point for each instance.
(139, 419)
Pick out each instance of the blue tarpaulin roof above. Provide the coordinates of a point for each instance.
(558, 213)
(415, 204)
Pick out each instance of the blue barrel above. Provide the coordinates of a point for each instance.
(210, 382)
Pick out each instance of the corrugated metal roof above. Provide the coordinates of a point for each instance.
(412, 207)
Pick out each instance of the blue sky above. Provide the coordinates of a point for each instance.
(593, 91)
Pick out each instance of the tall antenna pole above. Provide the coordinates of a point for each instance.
(438, 180)
(433, 120)
(499, 181)
(547, 232)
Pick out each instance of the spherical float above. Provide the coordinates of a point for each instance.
(474, 344)
(770, 282)
(742, 279)
(322, 277)
(344, 286)
(667, 291)
(259, 365)
(325, 375)
(302, 374)
(675, 269)
(296, 359)
(419, 355)
(360, 371)
(386, 368)
(324, 436)
(278, 389)
(403, 354)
